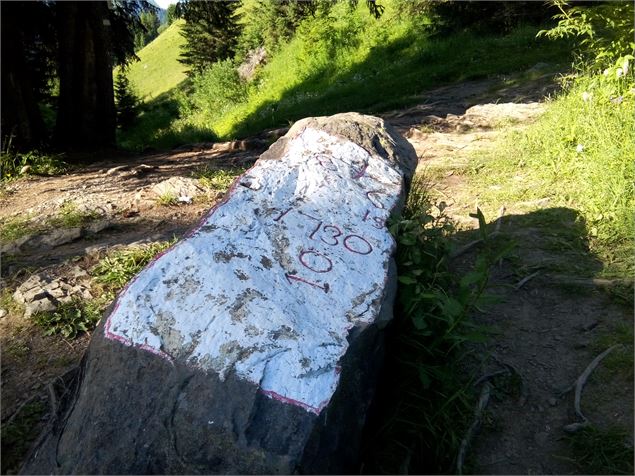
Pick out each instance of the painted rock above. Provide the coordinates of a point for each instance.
(253, 344)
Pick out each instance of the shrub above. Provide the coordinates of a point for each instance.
(126, 100)
(214, 90)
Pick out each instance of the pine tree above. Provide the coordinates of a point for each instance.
(126, 101)
(210, 31)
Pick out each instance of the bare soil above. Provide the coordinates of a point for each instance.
(547, 330)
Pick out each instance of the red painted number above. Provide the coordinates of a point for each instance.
(316, 261)
(357, 244)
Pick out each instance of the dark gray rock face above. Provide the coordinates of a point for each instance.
(252, 345)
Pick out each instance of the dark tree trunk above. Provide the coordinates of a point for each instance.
(86, 112)
(21, 118)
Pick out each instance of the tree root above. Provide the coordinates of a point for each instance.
(525, 280)
(579, 386)
(476, 423)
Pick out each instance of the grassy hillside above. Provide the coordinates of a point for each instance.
(159, 69)
(346, 60)
(341, 60)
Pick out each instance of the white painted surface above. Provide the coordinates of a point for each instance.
(270, 283)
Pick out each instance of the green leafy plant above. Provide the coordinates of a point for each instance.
(116, 269)
(214, 90)
(425, 400)
(12, 228)
(19, 433)
(603, 451)
(604, 32)
(12, 163)
(69, 319)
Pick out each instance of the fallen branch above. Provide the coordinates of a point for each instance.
(579, 386)
(467, 247)
(590, 282)
(476, 423)
(525, 280)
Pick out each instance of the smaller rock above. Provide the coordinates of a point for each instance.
(77, 272)
(117, 169)
(15, 246)
(61, 236)
(178, 187)
(29, 295)
(255, 58)
(3, 313)
(42, 305)
(98, 225)
(552, 401)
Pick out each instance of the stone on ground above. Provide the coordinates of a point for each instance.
(253, 344)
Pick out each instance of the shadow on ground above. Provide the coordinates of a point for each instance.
(549, 319)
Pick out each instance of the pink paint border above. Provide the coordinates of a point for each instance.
(269, 393)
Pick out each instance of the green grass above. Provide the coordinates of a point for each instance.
(70, 216)
(116, 269)
(353, 62)
(159, 70)
(598, 451)
(16, 227)
(168, 199)
(425, 400)
(579, 157)
(19, 434)
(218, 179)
(37, 163)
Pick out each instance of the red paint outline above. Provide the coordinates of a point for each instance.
(297, 403)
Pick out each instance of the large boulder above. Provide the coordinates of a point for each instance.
(253, 344)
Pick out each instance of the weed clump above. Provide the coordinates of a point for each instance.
(116, 269)
(70, 319)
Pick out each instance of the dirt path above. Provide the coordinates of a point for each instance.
(548, 330)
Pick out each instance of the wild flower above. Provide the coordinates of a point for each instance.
(579, 148)
(586, 96)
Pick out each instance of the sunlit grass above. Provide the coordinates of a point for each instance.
(159, 70)
(578, 155)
